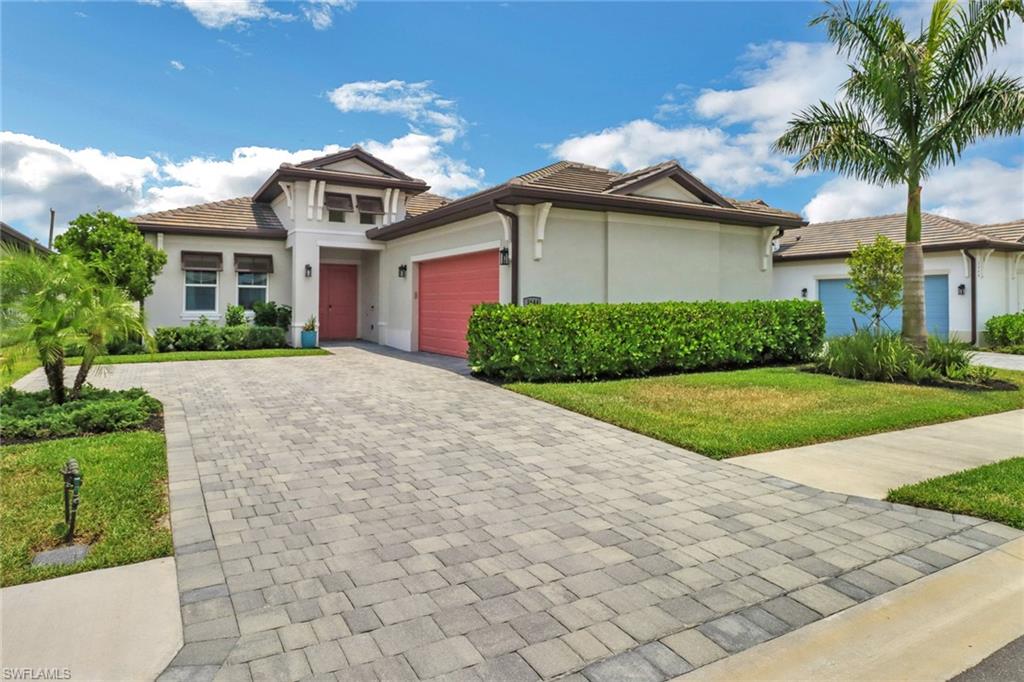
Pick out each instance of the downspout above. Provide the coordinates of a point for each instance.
(513, 220)
(974, 296)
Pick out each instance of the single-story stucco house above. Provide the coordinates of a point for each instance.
(370, 252)
(972, 272)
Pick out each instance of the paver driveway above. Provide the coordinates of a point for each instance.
(374, 518)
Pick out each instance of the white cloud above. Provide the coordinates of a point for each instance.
(38, 174)
(176, 65)
(415, 102)
(423, 156)
(221, 14)
(978, 191)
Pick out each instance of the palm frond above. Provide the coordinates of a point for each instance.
(841, 137)
(857, 29)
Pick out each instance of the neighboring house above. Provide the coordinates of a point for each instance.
(8, 235)
(972, 272)
(373, 255)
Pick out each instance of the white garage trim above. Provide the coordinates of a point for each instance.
(457, 251)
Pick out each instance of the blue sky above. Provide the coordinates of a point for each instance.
(145, 106)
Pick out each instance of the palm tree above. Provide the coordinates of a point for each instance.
(912, 104)
(51, 303)
(106, 314)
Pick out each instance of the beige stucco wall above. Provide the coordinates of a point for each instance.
(594, 256)
(166, 306)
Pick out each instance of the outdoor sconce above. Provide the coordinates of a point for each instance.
(503, 256)
(402, 270)
(309, 270)
(803, 293)
(961, 290)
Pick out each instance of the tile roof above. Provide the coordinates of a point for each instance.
(839, 237)
(1008, 232)
(240, 215)
(418, 204)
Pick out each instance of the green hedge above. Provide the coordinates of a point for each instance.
(31, 415)
(203, 335)
(563, 341)
(1005, 330)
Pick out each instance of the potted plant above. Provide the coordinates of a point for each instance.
(309, 333)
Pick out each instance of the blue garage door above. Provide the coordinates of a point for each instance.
(836, 298)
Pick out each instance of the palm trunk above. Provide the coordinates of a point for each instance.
(914, 330)
(55, 379)
(83, 373)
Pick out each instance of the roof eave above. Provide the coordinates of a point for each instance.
(270, 188)
(949, 246)
(683, 179)
(212, 231)
(509, 193)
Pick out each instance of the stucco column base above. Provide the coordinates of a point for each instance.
(931, 629)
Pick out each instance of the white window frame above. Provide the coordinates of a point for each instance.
(344, 218)
(376, 218)
(239, 285)
(196, 314)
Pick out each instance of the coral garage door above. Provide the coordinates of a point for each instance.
(448, 290)
(837, 301)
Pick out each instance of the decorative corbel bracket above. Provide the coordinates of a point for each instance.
(766, 253)
(540, 222)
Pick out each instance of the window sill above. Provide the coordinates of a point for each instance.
(195, 316)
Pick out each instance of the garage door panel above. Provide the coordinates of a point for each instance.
(448, 290)
(837, 301)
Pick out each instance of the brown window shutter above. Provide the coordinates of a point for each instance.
(372, 205)
(202, 260)
(254, 262)
(335, 201)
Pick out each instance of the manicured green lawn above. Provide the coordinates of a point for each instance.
(123, 509)
(994, 492)
(202, 355)
(724, 414)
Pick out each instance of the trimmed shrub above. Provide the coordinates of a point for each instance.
(887, 357)
(1005, 330)
(31, 416)
(271, 314)
(562, 341)
(234, 316)
(203, 335)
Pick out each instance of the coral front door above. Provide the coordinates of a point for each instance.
(449, 288)
(338, 302)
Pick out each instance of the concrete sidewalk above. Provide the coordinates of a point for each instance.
(114, 624)
(870, 466)
(1000, 360)
(931, 629)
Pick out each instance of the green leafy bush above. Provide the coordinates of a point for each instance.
(271, 314)
(584, 341)
(32, 416)
(203, 335)
(235, 316)
(888, 357)
(1005, 330)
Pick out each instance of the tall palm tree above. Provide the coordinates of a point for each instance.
(912, 104)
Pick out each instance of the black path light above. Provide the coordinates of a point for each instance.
(72, 486)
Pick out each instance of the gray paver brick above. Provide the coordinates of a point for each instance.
(289, 667)
(442, 657)
(495, 640)
(551, 658)
(734, 633)
(625, 667)
(694, 647)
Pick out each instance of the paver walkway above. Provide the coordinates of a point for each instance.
(1000, 360)
(873, 465)
(358, 516)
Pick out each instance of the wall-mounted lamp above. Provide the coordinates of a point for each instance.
(961, 290)
(403, 270)
(503, 256)
(803, 293)
(309, 270)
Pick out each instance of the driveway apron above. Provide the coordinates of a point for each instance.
(359, 516)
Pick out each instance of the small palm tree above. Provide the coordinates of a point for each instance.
(50, 304)
(912, 104)
(105, 315)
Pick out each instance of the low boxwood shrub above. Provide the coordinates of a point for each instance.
(888, 357)
(204, 335)
(564, 341)
(31, 415)
(1004, 331)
